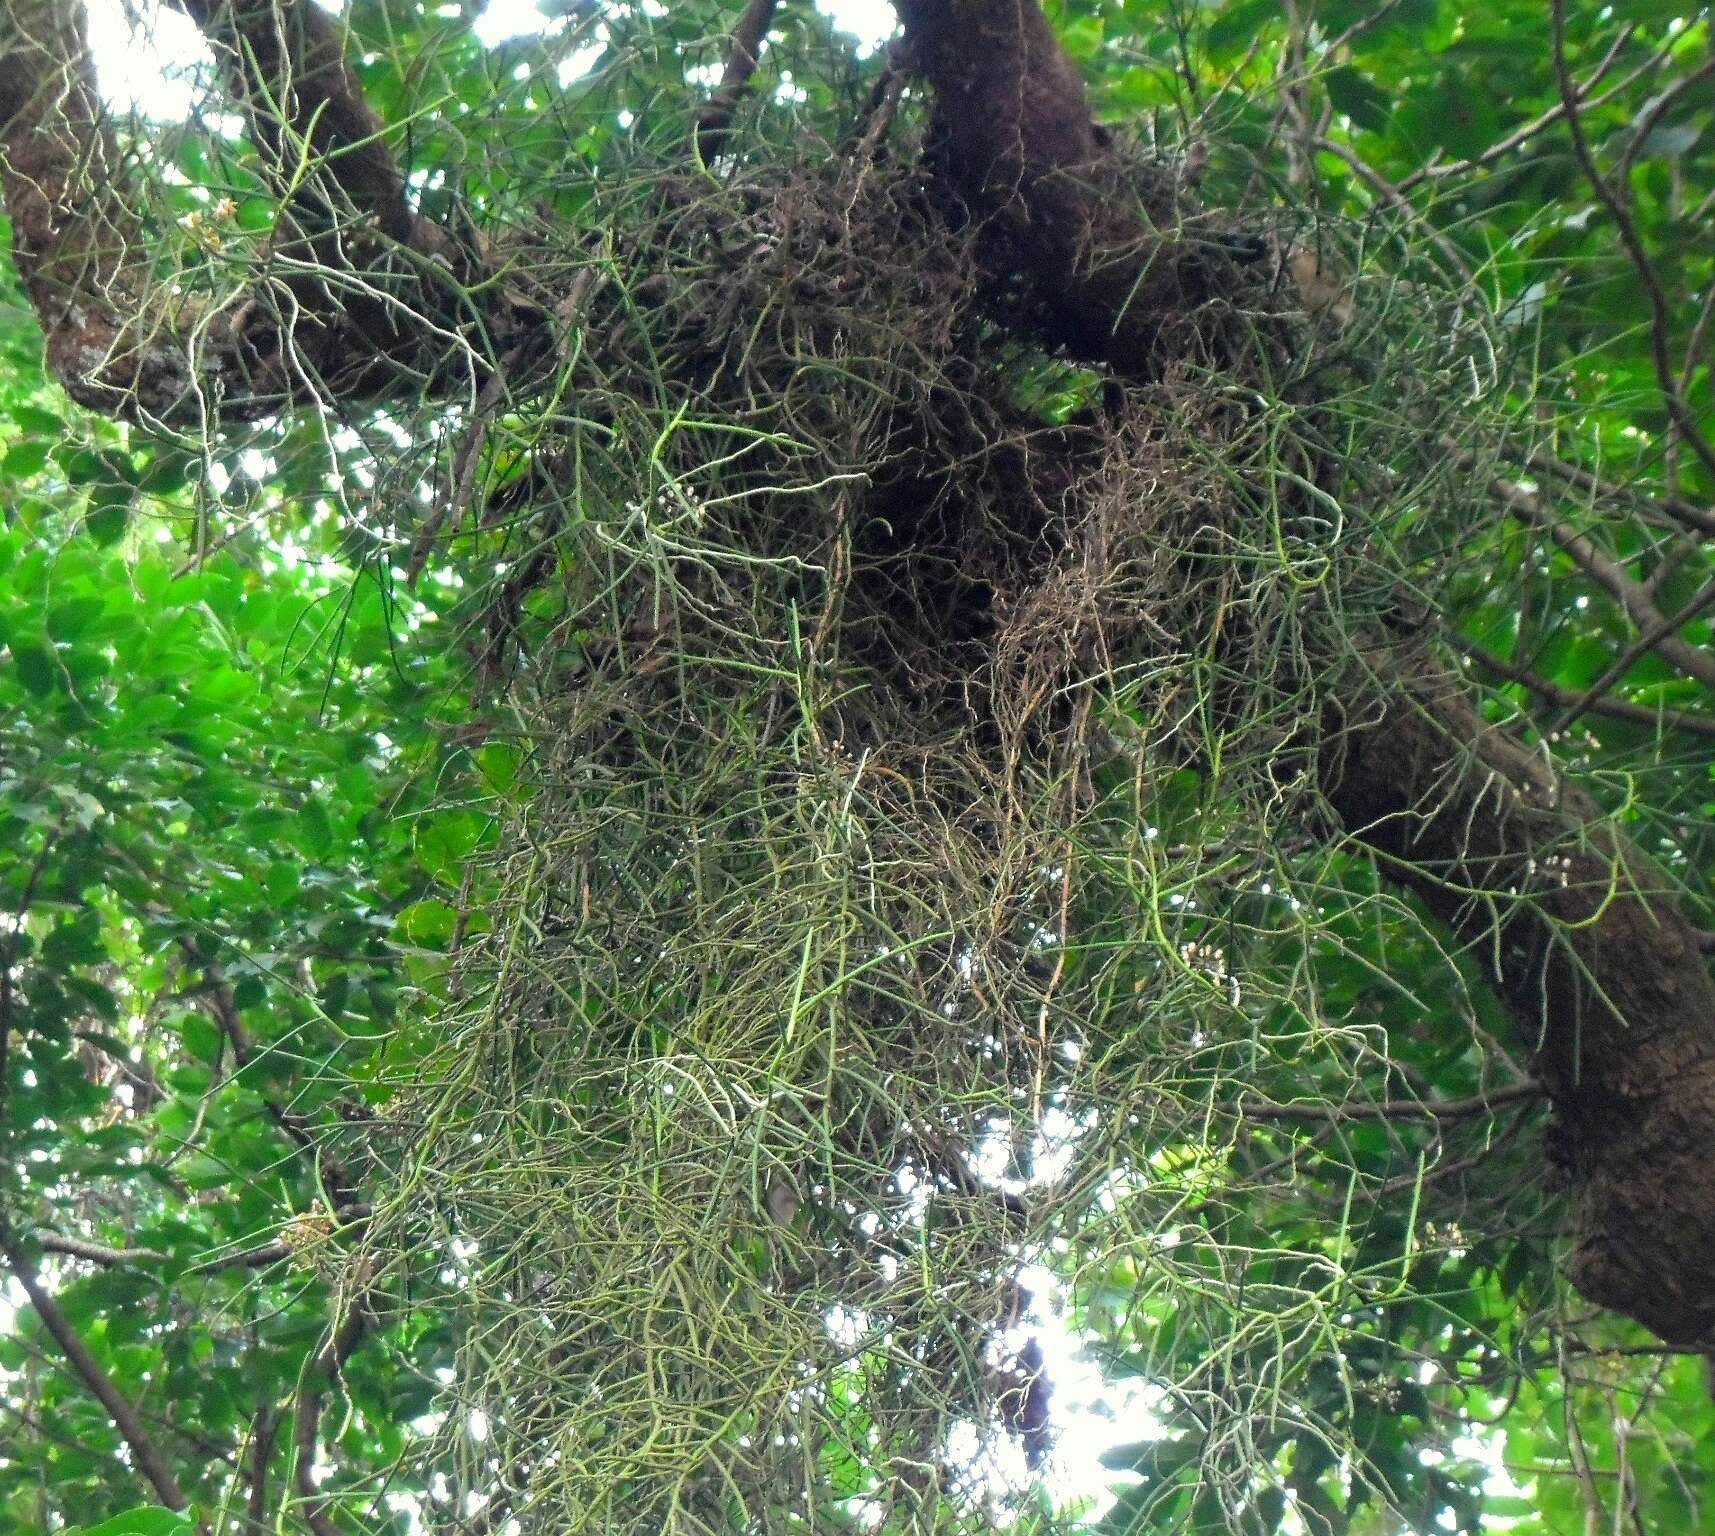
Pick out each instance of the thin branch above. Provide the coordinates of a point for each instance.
(307, 1413)
(1699, 519)
(1535, 126)
(224, 1005)
(1646, 641)
(144, 1452)
(247, 1258)
(1494, 1139)
(747, 40)
(1663, 103)
(8, 956)
(1395, 197)
(98, 1253)
(1632, 595)
(1563, 697)
(1398, 1109)
(1619, 210)
(1362, 25)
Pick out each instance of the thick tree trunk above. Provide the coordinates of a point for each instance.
(1059, 210)
(1583, 939)
(1602, 974)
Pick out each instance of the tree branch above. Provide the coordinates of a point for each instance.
(1055, 205)
(247, 1258)
(747, 40)
(1519, 136)
(1646, 641)
(97, 1253)
(1584, 938)
(285, 68)
(1698, 519)
(1398, 1109)
(1632, 595)
(127, 345)
(1620, 212)
(147, 1455)
(1565, 698)
(307, 1413)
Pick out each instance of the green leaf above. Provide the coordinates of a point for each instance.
(1358, 97)
(428, 923)
(36, 668)
(24, 459)
(37, 421)
(150, 1520)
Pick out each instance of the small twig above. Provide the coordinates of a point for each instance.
(747, 39)
(1362, 25)
(1632, 595)
(224, 1005)
(1397, 1109)
(464, 467)
(1647, 640)
(1422, 1179)
(1394, 196)
(1535, 126)
(1700, 519)
(1663, 103)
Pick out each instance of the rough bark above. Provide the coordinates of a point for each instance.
(1058, 208)
(284, 65)
(70, 234)
(120, 341)
(1583, 939)
(1604, 977)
